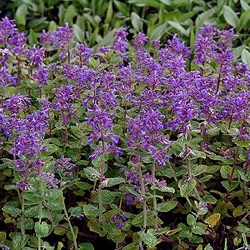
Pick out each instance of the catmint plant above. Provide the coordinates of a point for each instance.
(142, 144)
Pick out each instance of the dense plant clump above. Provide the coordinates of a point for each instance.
(143, 144)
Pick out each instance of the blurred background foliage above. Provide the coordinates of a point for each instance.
(94, 22)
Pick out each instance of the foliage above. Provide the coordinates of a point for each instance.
(135, 143)
(94, 22)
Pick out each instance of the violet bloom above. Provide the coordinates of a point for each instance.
(41, 76)
(64, 96)
(23, 185)
(6, 78)
(236, 106)
(204, 45)
(15, 104)
(120, 44)
(84, 53)
(102, 126)
(140, 40)
(35, 56)
(64, 167)
(146, 132)
(48, 179)
(7, 28)
(17, 43)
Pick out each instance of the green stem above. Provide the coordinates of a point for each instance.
(40, 215)
(144, 199)
(21, 200)
(70, 225)
(154, 198)
(234, 165)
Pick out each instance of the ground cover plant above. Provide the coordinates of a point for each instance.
(139, 145)
(96, 21)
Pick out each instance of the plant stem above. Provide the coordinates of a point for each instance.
(70, 225)
(234, 165)
(40, 214)
(144, 199)
(21, 200)
(154, 198)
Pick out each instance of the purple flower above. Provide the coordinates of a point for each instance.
(16, 104)
(64, 167)
(120, 44)
(48, 179)
(6, 78)
(204, 45)
(41, 76)
(23, 185)
(17, 43)
(35, 56)
(140, 40)
(84, 52)
(7, 28)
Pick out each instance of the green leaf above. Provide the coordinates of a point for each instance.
(213, 220)
(166, 206)
(208, 247)
(91, 211)
(76, 131)
(244, 19)
(83, 185)
(32, 37)
(179, 27)
(159, 31)
(186, 187)
(198, 169)
(31, 196)
(54, 194)
(196, 154)
(51, 148)
(42, 229)
(244, 5)
(149, 239)
(52, 26)
(11, 210)
(19, 241)
(107, 197)
(94, 226)
(61, 229)
(21, 14)
(142, 3)
(191, 219)
(243, 176)
(229, 186)
(163, 189)
(86, 246)
(136, 21)
(69, 233)
(70, 14)
(59, 245)
(27, 222)
(199, 228)
(208, 198)
(61, 14)
(225, 171)
(122, 7)
(242, 142)
(131, 246)
(204, 17)
(230, 16)
(110, 182)
(109, 14)
(91, 173)
(239, 211)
